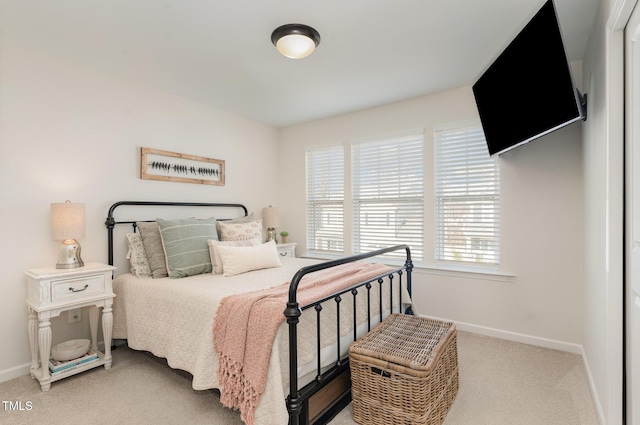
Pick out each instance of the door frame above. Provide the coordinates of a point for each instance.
(632, 221)
(612, 403)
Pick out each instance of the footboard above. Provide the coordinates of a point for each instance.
(319, 401)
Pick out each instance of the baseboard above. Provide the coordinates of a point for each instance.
(515, 336)
(592, 387)
(15, 372)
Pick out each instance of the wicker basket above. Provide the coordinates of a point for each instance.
(405, 371)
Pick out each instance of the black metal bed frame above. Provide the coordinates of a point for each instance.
(299, 398)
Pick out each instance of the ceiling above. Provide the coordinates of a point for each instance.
(219, 52)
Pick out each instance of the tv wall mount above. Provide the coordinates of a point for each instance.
(583, 104)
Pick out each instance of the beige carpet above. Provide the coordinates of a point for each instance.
(501, 382)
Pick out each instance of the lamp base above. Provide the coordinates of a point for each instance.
(69, 255)
(271, 235)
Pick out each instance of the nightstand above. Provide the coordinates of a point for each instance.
(51, 291)
(287, 249)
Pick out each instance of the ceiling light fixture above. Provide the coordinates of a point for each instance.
(295, 41)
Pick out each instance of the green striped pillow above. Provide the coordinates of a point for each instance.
(185, 245)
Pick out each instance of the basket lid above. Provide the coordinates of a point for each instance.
(405, 340)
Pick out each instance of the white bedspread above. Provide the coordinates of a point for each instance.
(173, 319)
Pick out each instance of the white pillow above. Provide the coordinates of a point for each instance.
(240, 231)
(216, 261)
(245, 219)
(241, 259)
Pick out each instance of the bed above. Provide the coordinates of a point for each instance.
(307, 373)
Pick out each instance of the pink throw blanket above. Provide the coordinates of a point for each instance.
(246, 324)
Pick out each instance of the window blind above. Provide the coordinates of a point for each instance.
(388, 193)
(467, 197)
(325, 199)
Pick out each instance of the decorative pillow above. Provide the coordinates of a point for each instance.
(240, 231)
(241, 259)
(216, 261)
(244, 219)
(185, 245)
(137, 257)
(152, 242)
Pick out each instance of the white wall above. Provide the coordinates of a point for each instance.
(542, 220)
(67, 132)
(603, 168)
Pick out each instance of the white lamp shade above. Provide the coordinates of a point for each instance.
(295, 46)
(67, 221)
(270, 217)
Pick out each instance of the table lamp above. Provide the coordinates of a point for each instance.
(67, 225)
(270, 220)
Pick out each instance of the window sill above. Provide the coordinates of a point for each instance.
(466, 272)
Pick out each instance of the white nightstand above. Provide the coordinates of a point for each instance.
(287, 249)
(51, 291)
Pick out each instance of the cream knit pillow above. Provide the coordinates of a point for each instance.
(241, 259)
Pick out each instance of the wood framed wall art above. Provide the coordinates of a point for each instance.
(179, 167)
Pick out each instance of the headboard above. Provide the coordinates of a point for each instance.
(147, 207)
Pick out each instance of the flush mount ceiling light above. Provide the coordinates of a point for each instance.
(295, 41)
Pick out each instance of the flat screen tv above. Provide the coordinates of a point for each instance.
(528, 91)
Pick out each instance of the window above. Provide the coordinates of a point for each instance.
(325, 199)
(388, 193)
(467, 197)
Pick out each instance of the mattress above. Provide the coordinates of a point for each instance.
(173, 319)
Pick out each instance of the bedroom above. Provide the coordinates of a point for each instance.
(71, 128)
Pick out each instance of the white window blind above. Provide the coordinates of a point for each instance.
(325, 199)
(388, 193)
(467, 197)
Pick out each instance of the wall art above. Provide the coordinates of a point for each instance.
(179, 167)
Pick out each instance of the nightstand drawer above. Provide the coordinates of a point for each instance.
(287, 249)
(81, 287)
(287, 252)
